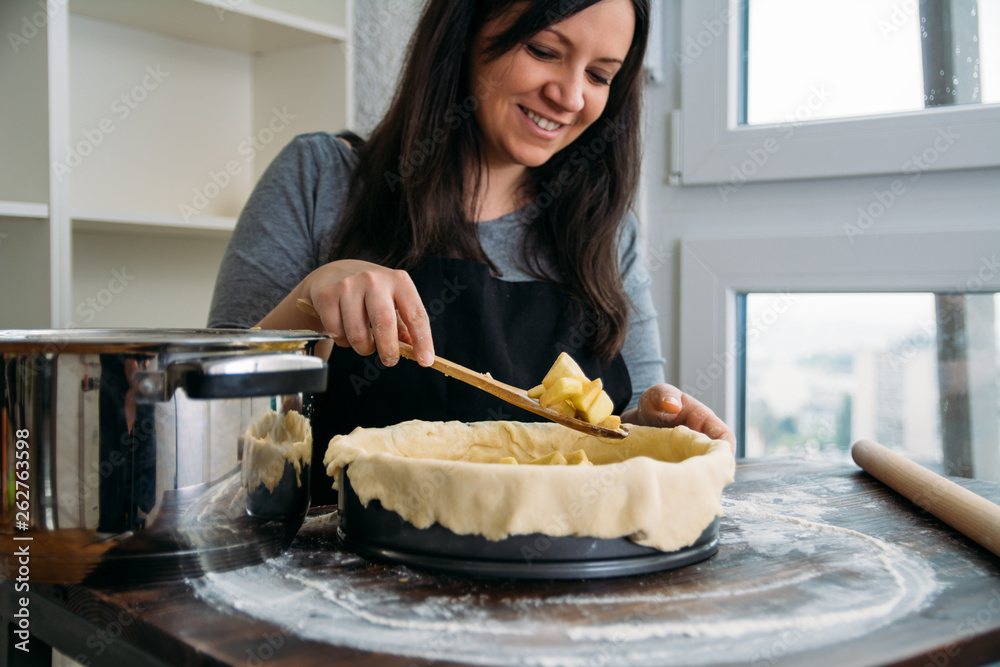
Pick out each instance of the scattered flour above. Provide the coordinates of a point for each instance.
(824, 585)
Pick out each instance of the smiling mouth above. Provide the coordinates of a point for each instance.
(543, 123)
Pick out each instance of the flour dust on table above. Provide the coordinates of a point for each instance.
(783, 582)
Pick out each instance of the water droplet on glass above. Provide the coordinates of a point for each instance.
(932, 91)
(948, 89)
(973, 11)
(954, 92)
(942, 72)
(923, 19)
(954, 80)
(969, 59)
(958, 50)
(932, 97)
(925, 98)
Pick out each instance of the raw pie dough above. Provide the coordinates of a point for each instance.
(659, 487)
(271, 441)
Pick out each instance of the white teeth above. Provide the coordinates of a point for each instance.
(543, 123)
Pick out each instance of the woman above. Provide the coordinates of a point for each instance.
(486, 218)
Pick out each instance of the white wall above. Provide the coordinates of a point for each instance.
(382, 29)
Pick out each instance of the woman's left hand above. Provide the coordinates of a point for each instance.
(664, 405)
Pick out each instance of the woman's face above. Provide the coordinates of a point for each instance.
(537, 98)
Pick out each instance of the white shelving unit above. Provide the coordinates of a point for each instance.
(137, 132)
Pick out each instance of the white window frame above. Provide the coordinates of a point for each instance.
(717, 150)
(713, 271)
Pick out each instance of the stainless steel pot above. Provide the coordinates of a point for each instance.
(122, 450)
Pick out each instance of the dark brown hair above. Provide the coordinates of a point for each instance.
(408, 199)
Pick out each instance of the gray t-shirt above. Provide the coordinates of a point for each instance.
(286, 229)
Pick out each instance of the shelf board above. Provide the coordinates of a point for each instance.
(23, 209)
(144, 222)
(239, 25)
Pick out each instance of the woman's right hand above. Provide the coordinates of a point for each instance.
(363, 306)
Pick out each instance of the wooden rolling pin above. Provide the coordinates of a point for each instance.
(970, 514)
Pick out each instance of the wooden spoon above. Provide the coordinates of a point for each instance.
(503, 391)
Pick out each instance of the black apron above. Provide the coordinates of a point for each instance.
(513, 330)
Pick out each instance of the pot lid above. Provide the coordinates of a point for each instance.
(56, 341)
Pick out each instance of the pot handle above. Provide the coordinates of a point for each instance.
(235, 377)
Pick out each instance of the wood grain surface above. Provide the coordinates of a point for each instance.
(819, 565)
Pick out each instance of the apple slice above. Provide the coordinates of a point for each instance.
(563, 389)
(564, 367)
(554, 459)
(536, 391)
(585, 399)
(614, 422)
(564, 408)
(600, 410)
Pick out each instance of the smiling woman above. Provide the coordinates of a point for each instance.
(547, 92)
(502, 175)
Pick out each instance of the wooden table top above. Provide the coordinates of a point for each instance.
(819, 564)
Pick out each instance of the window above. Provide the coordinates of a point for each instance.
(840, 115)
(716, 273)
(917, 372)
(904, 56)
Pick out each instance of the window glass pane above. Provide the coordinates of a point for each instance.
(815, 59)
(914, 371)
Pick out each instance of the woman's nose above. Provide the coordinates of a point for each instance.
(567, 90)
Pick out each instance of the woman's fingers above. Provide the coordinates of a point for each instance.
(664, 405)
(371, 308)
(381, 311)
(327, 303)
(414, 318)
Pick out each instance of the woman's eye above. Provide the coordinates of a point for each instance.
(600, 78)
(539, 52)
